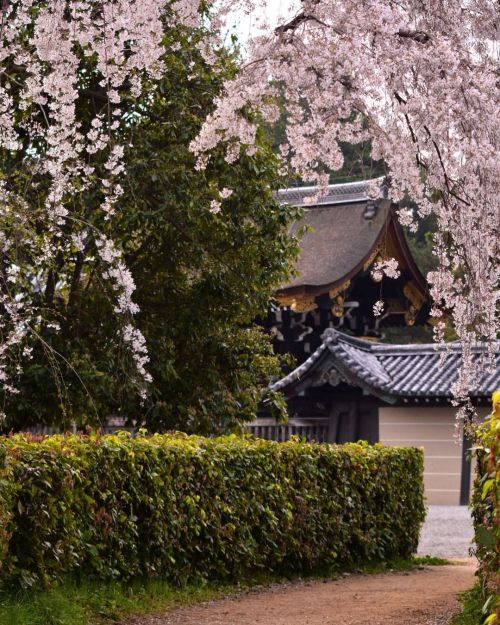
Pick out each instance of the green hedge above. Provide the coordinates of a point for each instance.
(486, 509)
(189, 507)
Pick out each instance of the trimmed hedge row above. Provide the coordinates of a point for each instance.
(186, 507)
(486, 509)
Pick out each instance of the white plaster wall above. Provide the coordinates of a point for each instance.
(432, 428)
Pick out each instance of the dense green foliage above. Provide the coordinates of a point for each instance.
(472, 603)
(188, 508)
(421, 244)
(201, 277)
(486, 509)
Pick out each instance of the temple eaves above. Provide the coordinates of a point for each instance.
(390, 372)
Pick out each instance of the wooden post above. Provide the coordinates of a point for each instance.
(466, 469)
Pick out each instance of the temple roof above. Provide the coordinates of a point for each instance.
(345, 226)
(388, 371)
(336, 194)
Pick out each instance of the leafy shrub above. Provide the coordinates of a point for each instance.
(486, 509)
(185, 507)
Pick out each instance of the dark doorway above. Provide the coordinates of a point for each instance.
(353, 420)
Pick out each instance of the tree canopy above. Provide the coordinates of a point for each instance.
(419, 81)
(205, 248)
(77, 79)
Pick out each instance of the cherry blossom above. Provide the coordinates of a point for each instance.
(378, 308)
(41, 84)
(417, 78)
(215, 207)
(389, 267)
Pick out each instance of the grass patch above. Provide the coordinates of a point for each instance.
(405, 564)
(431, 560)
(99, 603)
(472, 603)
(95, 603)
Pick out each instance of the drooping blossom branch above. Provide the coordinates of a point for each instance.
(54, 56)
(420, 80)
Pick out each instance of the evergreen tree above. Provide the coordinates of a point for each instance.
(204, 266)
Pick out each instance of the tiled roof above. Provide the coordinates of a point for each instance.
(389, 371)
(339, 238)
(336, 194)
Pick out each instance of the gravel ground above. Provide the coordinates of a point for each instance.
(427, 596)
(447, 532)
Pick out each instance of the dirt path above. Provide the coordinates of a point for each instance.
(426, 596)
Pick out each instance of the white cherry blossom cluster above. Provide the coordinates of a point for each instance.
(216, 204)
(388, 267)
(420, 79)
(136, 342)
(42, 45)
(378, 308)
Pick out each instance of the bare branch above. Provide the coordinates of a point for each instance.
(417, 35)
(443, 168)
(299, 19)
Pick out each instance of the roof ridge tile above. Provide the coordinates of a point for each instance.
(415, 370)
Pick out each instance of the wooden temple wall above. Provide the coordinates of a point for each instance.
(315, 431)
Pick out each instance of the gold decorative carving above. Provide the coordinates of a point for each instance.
(371, 259)
(338, 307)
(337, 296)
(339, 289)
(298, 303)
(285, 300)
(410, 315)
(413, 294)
(304, 304)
